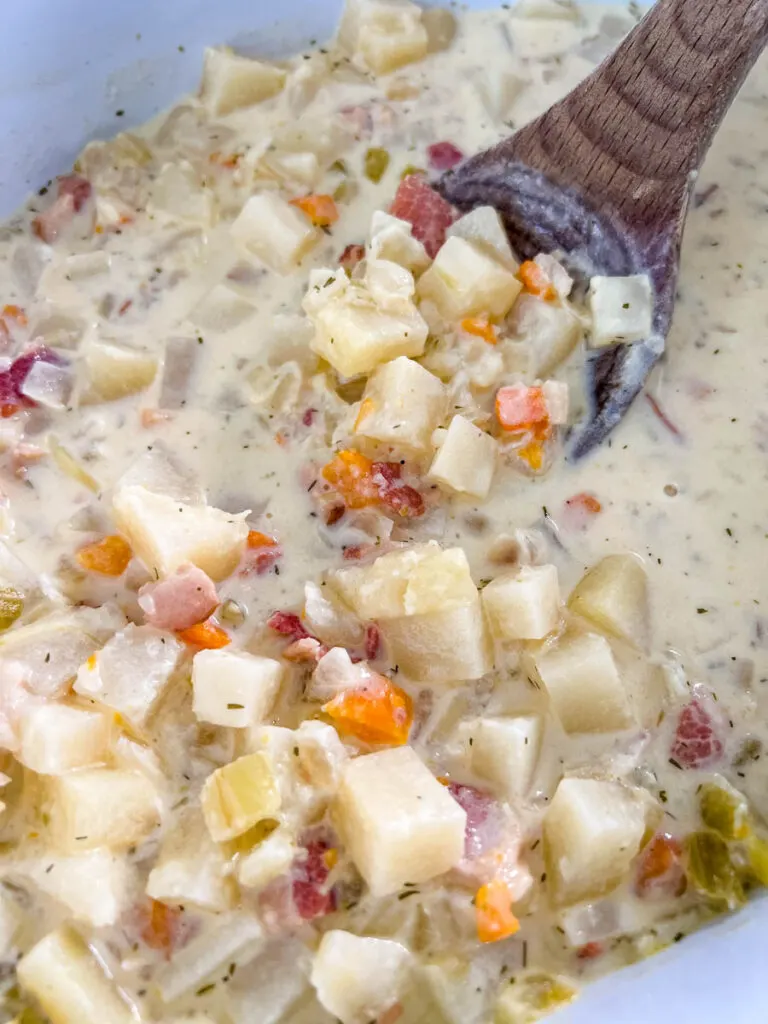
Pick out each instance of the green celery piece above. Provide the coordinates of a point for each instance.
(376, 163)
(711, 871)
(11, 606)
(724, 810)
(757, 855)
(531, 996)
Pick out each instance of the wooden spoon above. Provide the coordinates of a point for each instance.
(605, 175)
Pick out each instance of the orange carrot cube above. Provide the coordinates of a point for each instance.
(207, 635)
(109, 556)
(320, 209)
(378, 713)
(480, 327)
(536, 282)
(493, 912)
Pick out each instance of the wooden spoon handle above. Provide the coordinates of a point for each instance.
(642, 122)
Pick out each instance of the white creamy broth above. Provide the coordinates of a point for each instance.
(681, 483)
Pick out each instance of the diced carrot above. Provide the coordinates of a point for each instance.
(281, 439)
(207, 635)
(225, 160)
(151, 417)
(520, 408)
(366, 408)
(256, 539)
(160, 928)
(480, 327)
(15, 313)
(660, 866)
(331, 858)
(109, 556)
(351, 474)
(536, 281)
(321, 209)
(587, 502)
(533, 454)
(590, 951)
(378, 713)
(493, 912)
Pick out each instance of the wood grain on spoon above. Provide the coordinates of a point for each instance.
(605, 175)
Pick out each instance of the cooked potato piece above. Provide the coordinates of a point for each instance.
(321, 755)
(69, 984)
(622, 309)
(523, 605)
(592, 831)
(358, 978)
(101, 807)
(240, 795)
(392, 239)
(483, 226)
(56, 738)
(583, 683)
(401, 406)
(398, 823)
(234, 688)
(506, 751)
(278, 234)
(231, 81)
(270, 859)
(361, 324)
(464, 280)
(383, 35)
(613, 595)
(179, 194)
(466, 460)
(546, 331)
(191, 868)
(428, 608)
(165, 534)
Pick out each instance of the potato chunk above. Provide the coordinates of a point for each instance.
(114, 371)
(464, 280)
(383, 35)
(622, 309)
(592, 831)
(613, 595)
(546, 333)
(240, 795)
(466, 460)
(179, 194)
(506, 751)
(428, 608)
(392, 239)
(56, 738)
(101, 807)
(584, 685)
(234, 688)
(483, 226)
(231, 81)
(165, 534)
(523, 605)
(358, 978)
(399, 824)
(71, 987)
(275, 232)
(191, 867)
(401, 406)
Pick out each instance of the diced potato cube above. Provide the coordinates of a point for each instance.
(592, 831)
(10, 921)
(392, 239)
(165, 534)
(221, 309)
(547, 331)
(466, 460)
(398, 823)
(484, 227)
(69, 984)
(294, 168)
(622, 309)
(613, 595)
(191, 868)
(56, 738)
(429, 611)
(269, 860)
(240, 795)
(328, 619)
(322, 755)
(277, 981)
(556, 395)
(101, 807)
(231, 81)
(525, 604)
(179, 194)
(358, 978)
(401, 406)
(234, 688)
(583, 683)
(464, 280)
(359, 325)
(383, 35)
(278, 234)
(115, 371)
(506, 751)
(131, 671)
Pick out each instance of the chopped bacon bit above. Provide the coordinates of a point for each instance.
(696, 744)
(478, 806)
(426, 211)
(400, 498)
(584, 501)
(493, 911)
(152, 417)
(372, 641)
(660, 869)
(379, 712)
(334, 514)
(287, 624)
(207, 635)
(309, 417)
(108, 557)
(15, 313)
(12, 380)
(536, 281)
(520, 408)
(310, 878)
(161, 926)
(480, 327)
(351, 256)
(321, 209)
(261, 553)
(659, 412)
(443, 156)
(125, 307)
(590, 951)
(72, 195)
(354, 552)
(179, 601)
(79, 188)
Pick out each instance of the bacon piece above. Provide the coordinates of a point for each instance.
(76, 186)
(426, 211)
(12, 380)
(179, 601)
(443, 155)
(260, 554)
(696, 743)
(351, 256)
(372, 641)
(73, 192)
(307, 649)
(309, 886)
(288, 624)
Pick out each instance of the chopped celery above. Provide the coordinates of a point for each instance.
(757, 856)
(11, 606)
(376, 163)
(529, 997)
(710, 869)
(724, 810)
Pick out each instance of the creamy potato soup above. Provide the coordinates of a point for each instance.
(329, 689)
